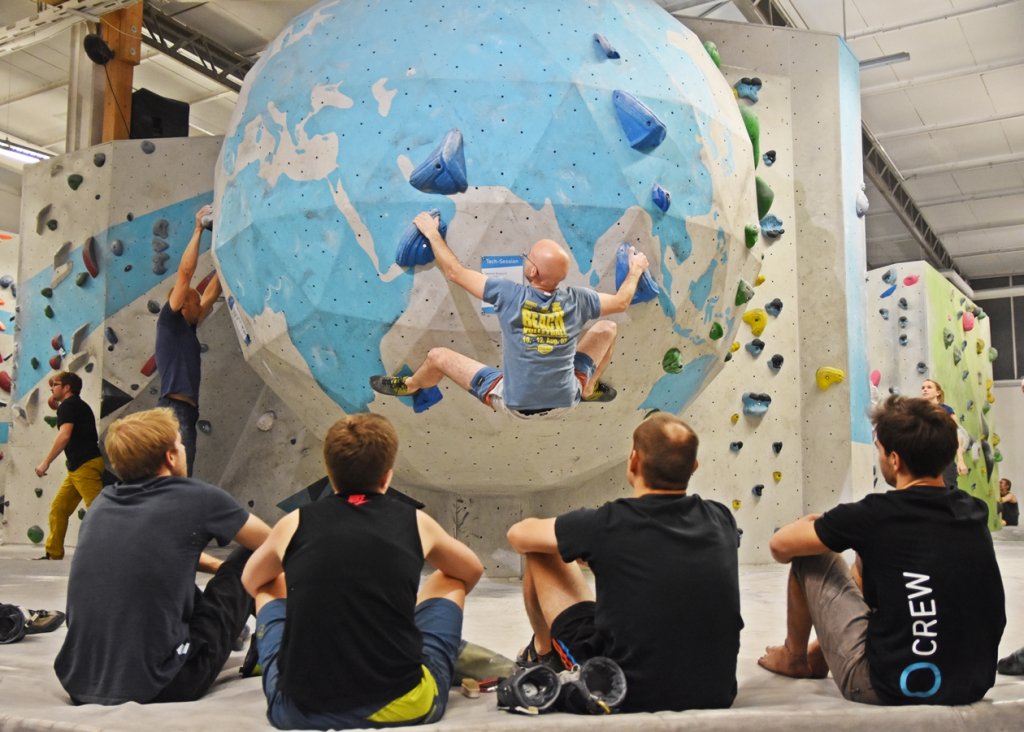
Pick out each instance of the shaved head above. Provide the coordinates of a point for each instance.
(550, 264)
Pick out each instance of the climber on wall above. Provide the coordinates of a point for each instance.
(550, 362)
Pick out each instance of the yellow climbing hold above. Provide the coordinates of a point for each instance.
(979, 346)
(995, 440)
(736, 503)
(777, 476)
(735, 346)
(759, 280)
(757, 319)
(988, 383)
(828, 376)
(990, 398)
(734, 418)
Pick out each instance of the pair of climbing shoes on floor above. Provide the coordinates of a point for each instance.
(15, 625)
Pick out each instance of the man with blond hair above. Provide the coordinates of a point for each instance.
(549, 364)
(77, 439)
(348, 642)
(138, 627)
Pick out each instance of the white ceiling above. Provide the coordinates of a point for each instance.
(951, 120)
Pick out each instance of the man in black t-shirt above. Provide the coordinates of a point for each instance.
(919, 618)
(667, 608)
(77, 439)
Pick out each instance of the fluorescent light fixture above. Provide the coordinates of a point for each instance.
(892, 58)
(23, 153)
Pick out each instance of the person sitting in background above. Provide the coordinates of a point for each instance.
(1009, 511)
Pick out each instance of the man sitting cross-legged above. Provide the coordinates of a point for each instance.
(919, 618)
(665, 564)
(344, 639)
(549, 364)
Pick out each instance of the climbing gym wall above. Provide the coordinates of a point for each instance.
(8, 303)
(922, 327)
(811, 448)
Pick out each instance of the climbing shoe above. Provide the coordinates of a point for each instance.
(1012, 665)
(43, 621)
(251, 664)
(602, 393)
(530, 690)
(391, 385)
(529, 657)
(12, 624)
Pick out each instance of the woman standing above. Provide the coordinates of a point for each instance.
(932, 391)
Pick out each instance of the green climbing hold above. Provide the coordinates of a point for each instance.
(50, 420)
(34, 362)
(997, 457)
(46, 292)
(35, 534)
(743, 292)
(48, 311)
(728, 357)
(672, 361)
(81, 514)
(75, 180)
(39, 492)
(985, 407)
(712, 50)
(716, 331)
(81, 278)
(753, 125)
(957, 355)
(993, 354)
(751, 233)
(947, 337)
(765, 197)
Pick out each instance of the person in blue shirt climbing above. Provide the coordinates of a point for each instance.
(551, 363)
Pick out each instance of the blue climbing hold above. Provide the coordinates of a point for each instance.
(748, 88)
(758, 489)
(775, 362)
(922, 367)
(736, 446)
(642, 127)
(774, 307)
(424, 399)
(888, 291)
(904, 339)
(662, 198)
(755, 405)
(606, 47)
(646, 288)
(755, 347)
(444, 171)
(413, 248)
(111, 336)
(771, 226)
(769, 158)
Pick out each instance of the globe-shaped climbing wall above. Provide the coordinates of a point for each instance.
(313, 196)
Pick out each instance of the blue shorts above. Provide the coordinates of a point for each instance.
(484, 380)
(438, 619)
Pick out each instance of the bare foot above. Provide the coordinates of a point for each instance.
(779, 660)
(816, 662)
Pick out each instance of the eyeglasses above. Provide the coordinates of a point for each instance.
(526, 258)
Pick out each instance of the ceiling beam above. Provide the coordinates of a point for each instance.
(967, 229)
(51, 21)
(942, 126)
(958, 73)
(968, 197)
(877, 30)
(957, 165)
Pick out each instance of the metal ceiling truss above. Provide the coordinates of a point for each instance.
(877, 166)
(54, 19)
(198, 52)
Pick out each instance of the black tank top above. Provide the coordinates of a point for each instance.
(352, 569)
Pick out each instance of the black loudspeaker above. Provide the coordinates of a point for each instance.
(157, 116)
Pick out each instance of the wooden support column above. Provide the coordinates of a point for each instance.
(122, 30)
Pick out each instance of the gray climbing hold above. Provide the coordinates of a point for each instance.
(153, 306)
(755, 405)
(42, 216)
(117, 247)
(755, 347)
(99, 159)
(884, 312)
(758, 489)
(606, 48)
(903, 321)
(203, 348)
(110, 335)
(922, 367)
(161, 228)
(775, 362)
(204, 426)
(75, 180)
(889, 277)
(265, 422)
(769, 158)
(127, 268)
(774, 307)
(902, 302)
(776, 447)
(904, 339)
(957, 355)
(6, 281)
(894, 390)
(736, 446)
(771, 226)
(159, 245)
(147, 147)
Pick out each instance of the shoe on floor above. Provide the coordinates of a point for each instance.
(529, 657)
(43, 621)
(48, 556)
(251, 665)
(391, 385)
(602, 393)
(1012, 665)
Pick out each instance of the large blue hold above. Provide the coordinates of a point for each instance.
(646, 288)
(413, 247)
(642, 127)
(444, 171)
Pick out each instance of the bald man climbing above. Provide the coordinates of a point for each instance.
(549, 363)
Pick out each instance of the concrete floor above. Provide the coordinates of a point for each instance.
(32, 699)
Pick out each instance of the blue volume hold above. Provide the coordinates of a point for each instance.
(608, 49)
(444, 171)
(413, 248)
(646, 288)
(424, 399)
(662, 198)
(747, 88)
(642, 127)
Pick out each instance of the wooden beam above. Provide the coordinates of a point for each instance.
(122, 30)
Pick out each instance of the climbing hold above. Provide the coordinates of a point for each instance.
(734, 418)
(424, 399)
(607, 48)
(35, 534)
(964, 374)
(776, 447)
(413, 247)
(894, 390)
(39, 492)
(968, 321)
(46, 292)
(34, 362)
(884, 312)
(81, 278)
(89, 256)
(979, 346)
(117, 247)
(771, 226)
(765, 197)
(922, 367)
(828, 376)
(50, 420)
(110, 335)
(6, 281)
(875, 377)
(99, 159)
(758, 489)
(757, 319)
(646, 288)
(759, 280)
(642, 127)
(716, 331)
(153, 306)
(993, 354)
(736, 446)
(159, 245)
(736, 504)
(769, 158)
(861, 203)
(743, 292)
(755, 347)
(748, 88)
(148, 147)
(775, 362)
(751, 233)
(266, 421)
(57, 342)
(902, 302)
(444, 170)
(910, 280)
(957, 355)
(81, 514)
(947, 337)
(904, 339)
(130, 216)
(159, 263)
(903, 321)
(204, 426)
(161, 228)
(55, 362)
(969, 405)
(889, 277)
(48, 311)
(774, 307)
(755, 405)
(51, 224)
(712, 50)
(149, 368)
(753, 125)
(74, 180)
(672, 361)
(5, 382)
(661, 198)
(980, 314)
(734, 347)
(728, 357)
(777, 476)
